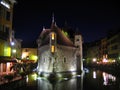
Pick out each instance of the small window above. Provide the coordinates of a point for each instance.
(64, 60)
(77, 39)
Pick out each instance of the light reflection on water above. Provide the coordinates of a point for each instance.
(108, 78)
(94, 80)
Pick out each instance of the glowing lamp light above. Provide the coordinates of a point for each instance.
(14, 50)
(114, 60)
(34, 76)
(5, 4)
(105, 60)
(12, 43)
(94, 59)
(94, 74)
(72, 69)
(24, 55)
(73, 73)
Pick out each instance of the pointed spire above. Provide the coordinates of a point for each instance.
(53, 19)
(55, 24)
(43, 28)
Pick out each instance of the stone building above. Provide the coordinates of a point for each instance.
(57, 53)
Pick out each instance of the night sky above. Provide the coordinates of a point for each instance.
(92, 18)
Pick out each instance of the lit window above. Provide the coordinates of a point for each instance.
(52, 48)
(53, 36)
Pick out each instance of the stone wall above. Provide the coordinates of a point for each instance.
(63, 60)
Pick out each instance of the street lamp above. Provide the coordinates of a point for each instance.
(12, 43)
(14, 51)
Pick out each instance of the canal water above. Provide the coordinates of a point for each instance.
(89, 80)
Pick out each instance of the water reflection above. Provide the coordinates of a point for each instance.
(75, 83)
(94, 80)
(108, 78)
(94, 74)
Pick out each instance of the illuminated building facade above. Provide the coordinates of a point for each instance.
(104, 50)
(113, 46)
(57, 53)
(7, 36)
(6, 16)
(29, 54)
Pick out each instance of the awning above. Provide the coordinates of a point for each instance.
(4, 59)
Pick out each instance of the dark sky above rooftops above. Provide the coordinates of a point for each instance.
(92, 18)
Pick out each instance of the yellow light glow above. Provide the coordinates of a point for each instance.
(52, 48)
(53, 36)
(24, 55)
(33, 57)
(34, 76)
(94, 59)
(105, 60)
(7, 51)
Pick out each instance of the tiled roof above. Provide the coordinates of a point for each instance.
(61, 38)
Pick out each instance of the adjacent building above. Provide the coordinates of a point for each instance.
(103, 49)
(92, 51)
(106, 49)
(113, 46)
(6, 14)
(29, 54)
(10, 48)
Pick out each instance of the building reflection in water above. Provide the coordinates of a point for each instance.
(76, 83)
(94, 80)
